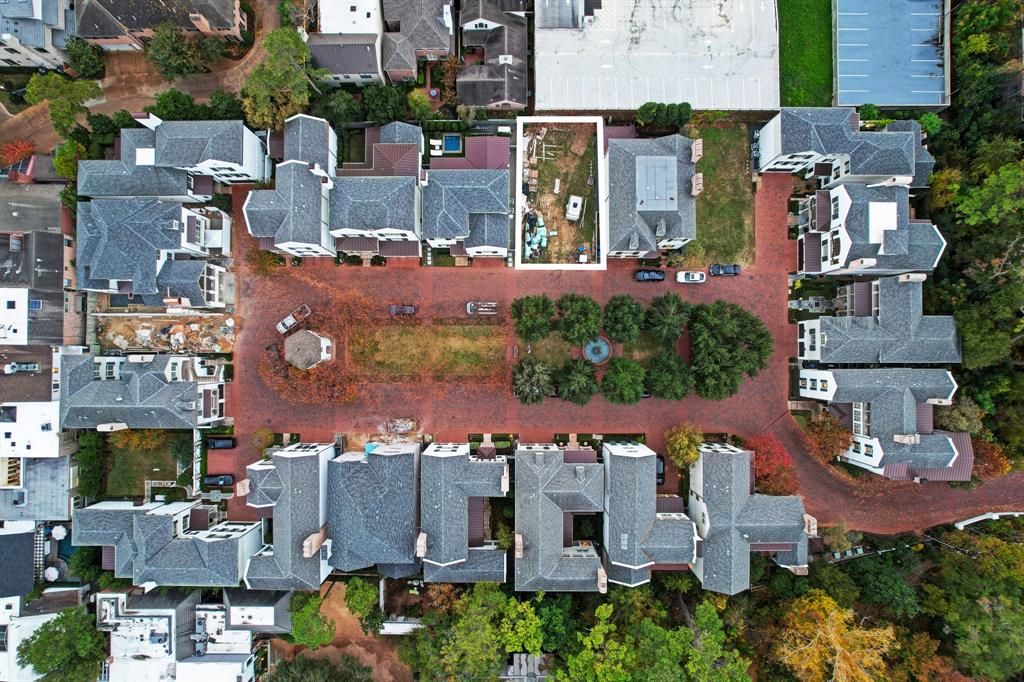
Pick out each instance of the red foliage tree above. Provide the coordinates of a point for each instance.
(16, 150)
(828, 437)
(773, 467)
(989, 460)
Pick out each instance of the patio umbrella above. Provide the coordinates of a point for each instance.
(59, 532)
(51, 574)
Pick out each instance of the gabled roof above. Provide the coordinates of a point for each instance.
(894, 395)
(834, 130)
(448, 479)
(421, 27)
(122, 177)
(650, 197)
(451, 198)
(913, 245)
(308, 139)
(900, 333)
(638, 536)
(546, 489)
(178, 278)
(502, 77)
(296, 495)
(736, 519)
(146, 549)
(121, 239)
(371, 508)
(344, 53)
(401, 133)
(292, 211)
(142, 398)
(374, 203)
(111, 18)
(185, 144)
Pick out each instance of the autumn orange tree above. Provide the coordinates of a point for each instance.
(828, 437)
(138, 439)
(16, 150)
(989, 460)
(773, 467)
(820, 641)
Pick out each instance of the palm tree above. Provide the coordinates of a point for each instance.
(577, 381)
(532, 381)
(666, 317)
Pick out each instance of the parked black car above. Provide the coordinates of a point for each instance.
(725, 270)
(220, 442)
(401, 309)
(649, 276)
(660, 470)
(219, 480)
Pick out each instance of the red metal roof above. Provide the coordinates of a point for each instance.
(400, 249)
(476, 522)
(357, 244)
(618, 133)
(925, 414)
(579, 456)
(811, 253)
(482, 152)
(670, 504)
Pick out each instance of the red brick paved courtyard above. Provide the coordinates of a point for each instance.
(451, 411)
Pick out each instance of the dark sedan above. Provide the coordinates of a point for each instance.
(219, 480)
(649, 276)
(660, 470)
(220, 443)
(719, 270)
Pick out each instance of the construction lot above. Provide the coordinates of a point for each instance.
(560, 170)
(198, 333)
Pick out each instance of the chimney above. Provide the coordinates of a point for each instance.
(505, 481)
(697, 185)
(862, 263)
(243, 488)
(602, 580)
(421, 545)
(810, 525)
(945, 402)
(519, 546)
(907, 439)
(312, 544)
(697, 150)
(911, 277)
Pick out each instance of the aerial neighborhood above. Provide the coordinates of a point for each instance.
(511, 340)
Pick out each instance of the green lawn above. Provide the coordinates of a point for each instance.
(805, 53)
(643, 349)
(130, 469)
(552, 350)
(725, 209)
(13, 81)
(442, 350)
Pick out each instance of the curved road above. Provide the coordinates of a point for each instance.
(131, 84)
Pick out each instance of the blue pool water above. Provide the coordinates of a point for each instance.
(453, 143)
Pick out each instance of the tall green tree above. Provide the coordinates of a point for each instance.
(668, 376)
(576, 381)
(726, 344)
(279, 87)
(520, 628)
(68, 648)
(339, 108)
(309, 626)
(707, 655)
(579, 318)
(173, 105)
(67, 98)
(174, 54)
(420, 107)
(666, 317)
(85, 58)
(604, 655)
(361, 596)
(303, 669)
(475, 647)
(623, 318)
(384, 103)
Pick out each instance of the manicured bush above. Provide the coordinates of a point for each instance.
(534, 317)
(623, 318)
(726, 344)
(577, 381)
(668, 376)
(579, 318)
(666, 317)
(623, 381)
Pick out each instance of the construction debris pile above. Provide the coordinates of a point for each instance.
(205, 334)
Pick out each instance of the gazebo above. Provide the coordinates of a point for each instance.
(306, 349)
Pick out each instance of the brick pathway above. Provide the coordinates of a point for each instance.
(450, 412)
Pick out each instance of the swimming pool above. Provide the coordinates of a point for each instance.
(452, 143)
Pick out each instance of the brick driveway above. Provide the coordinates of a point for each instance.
(450, 412)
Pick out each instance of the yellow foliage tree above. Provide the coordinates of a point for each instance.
(820, 641)
(682, 444)
(138, 439)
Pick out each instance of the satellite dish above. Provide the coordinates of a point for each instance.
(51, 574)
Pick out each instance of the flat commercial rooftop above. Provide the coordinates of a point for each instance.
(891, 53)
(714, 54)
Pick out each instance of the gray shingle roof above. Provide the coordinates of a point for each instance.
(44, 492)
(374, 203)
(296, 491)
(142, 398)
(401, 133)
(924, 162)
(121, 239)
(899, 334)
(482, 565)
(421, 28)
(894, 395)
(547, 488)
(912, 246)
(637, 536)
(145, 548)
(178, 278)
(110, 18)
(737, 518)
(18, 575)
(650, 198)
(371, 507)
(448, 478)
(451, 199)
(122, 178)
(344, 53)
(307, 139)
(830, 130)
(188, 143)
(502, 77)
(292, 211)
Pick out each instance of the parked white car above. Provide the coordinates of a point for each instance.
(691, 277)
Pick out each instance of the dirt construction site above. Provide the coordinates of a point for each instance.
(560, 169)
(188, 333)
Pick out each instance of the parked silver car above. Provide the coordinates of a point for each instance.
(482, 308)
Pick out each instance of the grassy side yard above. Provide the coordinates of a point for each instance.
(643, 349)
(805, 53)
(552, 350)
(130, 469)
(725, 209)
(447, 351)
(13, 81)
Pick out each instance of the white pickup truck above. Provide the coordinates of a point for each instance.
(296, 316)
